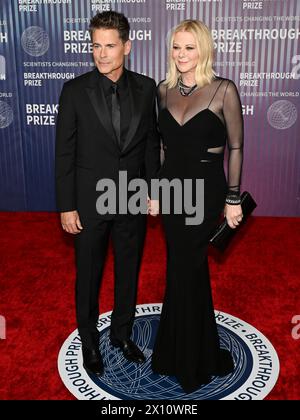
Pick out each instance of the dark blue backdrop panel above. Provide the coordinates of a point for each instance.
(44, 43)
(12, 175)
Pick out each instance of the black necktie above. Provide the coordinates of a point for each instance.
(115, 112)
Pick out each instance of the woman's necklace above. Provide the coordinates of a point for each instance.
(186, 90)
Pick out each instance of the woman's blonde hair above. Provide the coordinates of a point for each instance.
(204, 44)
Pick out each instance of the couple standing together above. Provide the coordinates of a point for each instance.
(107, 123)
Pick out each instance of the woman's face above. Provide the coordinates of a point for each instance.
(184, 52)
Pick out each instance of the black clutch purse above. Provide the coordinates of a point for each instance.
(223, 233)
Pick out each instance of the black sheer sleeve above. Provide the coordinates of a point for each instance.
(161, 95)
(232, 111)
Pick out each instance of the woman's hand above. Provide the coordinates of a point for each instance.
(233, 214)
(153, 207)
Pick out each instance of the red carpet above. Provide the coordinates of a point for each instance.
(258, 281)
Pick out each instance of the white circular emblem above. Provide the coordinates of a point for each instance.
(282, 114)
(35, 41)
(6, 115)
(255, 374)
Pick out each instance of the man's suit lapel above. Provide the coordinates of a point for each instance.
(136, 102)
(97, 98)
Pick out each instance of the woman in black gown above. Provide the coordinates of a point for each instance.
(199, 114)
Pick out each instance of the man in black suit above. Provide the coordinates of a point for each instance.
(106, 124)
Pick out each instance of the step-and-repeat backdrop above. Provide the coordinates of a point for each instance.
(44, 43)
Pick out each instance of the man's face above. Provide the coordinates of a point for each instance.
(109, 51)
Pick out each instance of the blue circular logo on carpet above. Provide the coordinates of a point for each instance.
(255, 374)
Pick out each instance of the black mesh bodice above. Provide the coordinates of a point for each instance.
(211, 116)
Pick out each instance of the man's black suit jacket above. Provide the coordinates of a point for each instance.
(86, 147)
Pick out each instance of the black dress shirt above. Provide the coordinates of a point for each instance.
(123, 92)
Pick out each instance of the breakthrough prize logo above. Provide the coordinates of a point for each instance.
(282, 114)
(6, 115)
(35, 41)
(256, 364)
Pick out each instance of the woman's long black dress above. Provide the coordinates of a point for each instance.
(195, 130)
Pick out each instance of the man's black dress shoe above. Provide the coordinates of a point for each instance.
(130, 350)
(92, 361)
